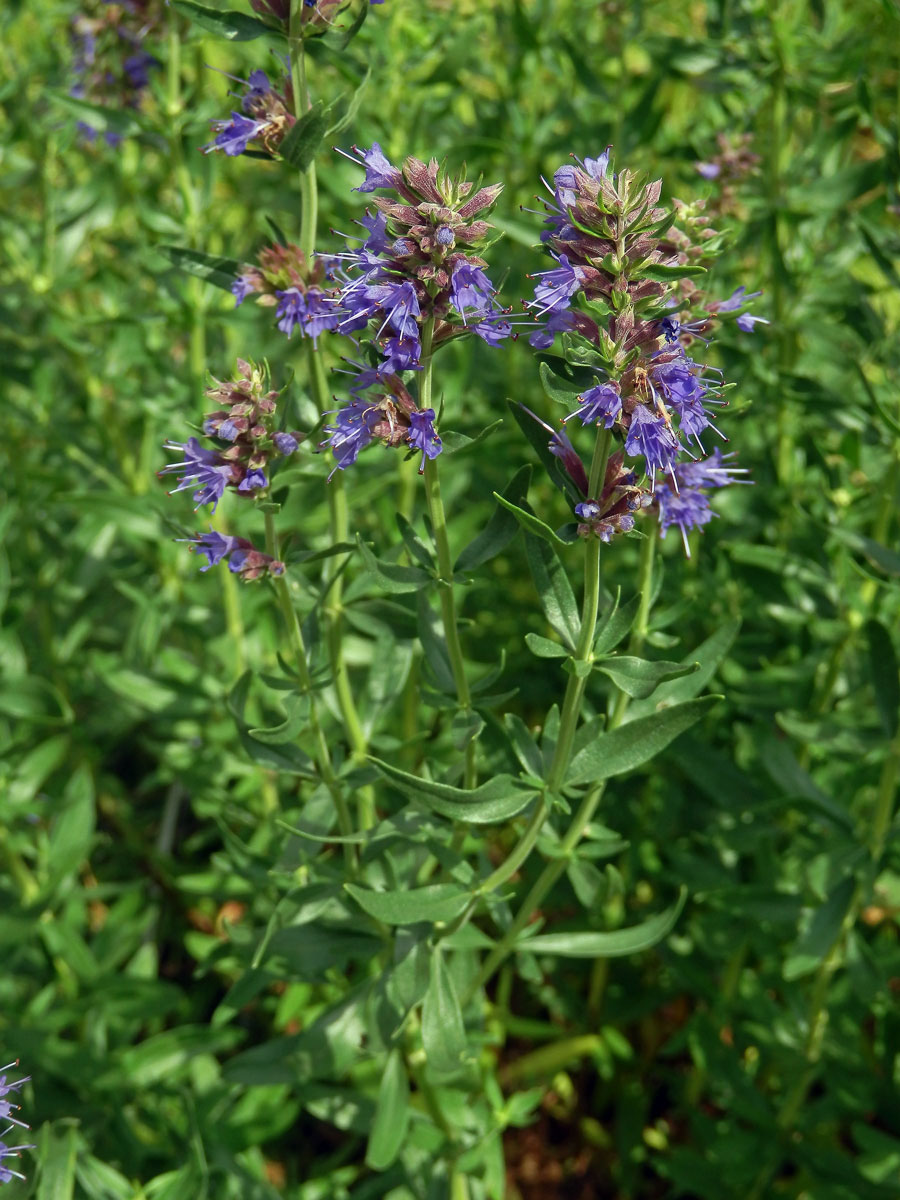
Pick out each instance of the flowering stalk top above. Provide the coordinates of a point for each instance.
(621, 296)
(417, 268)
(244, 426)
(265, 118)
(111, 64)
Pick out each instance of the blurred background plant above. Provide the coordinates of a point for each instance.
(755, 1053)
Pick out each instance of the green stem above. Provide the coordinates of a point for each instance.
(445, 560)
(301, 660)
(300, 87)
(561, 757)
(338, 526)
(642, 620)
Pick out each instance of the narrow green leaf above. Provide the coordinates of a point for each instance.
(233, 26)
(305, 136)
(214, 268)
(821, 933)
(73, 830)
(454, 442)
(434, 645)
(58, 1150)
(880, 556)
(390, 577)
(497, 800)
(391, 1114)
(615, 624)
(639, 677)
(884, 674)
(554, 589)
(437, 902)
(664, 273)
(443, 1032)
(561, 391)
(500, 529)
(633, 744)
(614, 944)
(709, 655)
(529, 521)
(523, 744)
(125, 122)
(289, 730)
(544, 647)
(413, 543)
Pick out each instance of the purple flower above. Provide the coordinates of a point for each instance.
(233, 136)
(215, 546)
(599, 403)
(137, 69)
(6, 1108)
(444, 236)
(588, 510)
(422, 435)
(677, 381)
(379, 172)
(242, 287)
(470, 288)
(258, 86)
(493, 328)
(322, 313)
(686, 504)
(285, 443)
(558, 286)
(376, 224)
(708, 170)
(401, 305)
(559, 321)
(254, 481)
(201, 467)
(291, 309)
(350, 432)
(401, 354)
(228, 431)
(735, 300)
(651, 438)
(746, 321)
(7, 1173)
(687, 508)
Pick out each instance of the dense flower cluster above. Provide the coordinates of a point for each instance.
(265, 118)
(244, 428)
(416, 268)
(7, 1108)
(245, 425)
(111, 64)
(620, 295)
(285, 280)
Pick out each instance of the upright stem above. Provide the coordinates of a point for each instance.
(337, 498)
(300, 88)
(642, 620)
(445, 561)
(301, 660)
(562, 754)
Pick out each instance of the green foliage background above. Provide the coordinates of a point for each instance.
(756, 1052)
